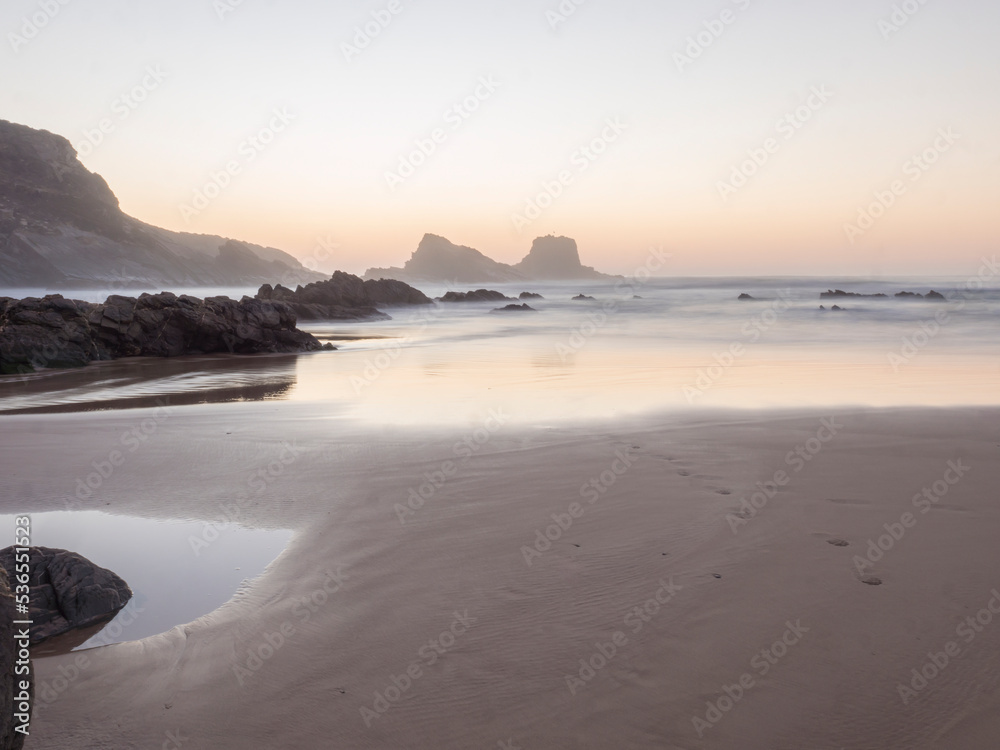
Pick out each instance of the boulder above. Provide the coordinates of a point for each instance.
(68, 591)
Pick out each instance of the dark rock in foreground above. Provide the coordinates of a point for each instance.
(477, 295)
(9, 681)
(514, 308)
(529, 295)
(56, 332)
(345, 297)
(67, 591)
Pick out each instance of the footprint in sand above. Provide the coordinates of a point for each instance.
(845, 501)
(724, 492)
(838, 542)
(872, 580)
(684, 473)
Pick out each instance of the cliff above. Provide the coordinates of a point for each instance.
(61, 227)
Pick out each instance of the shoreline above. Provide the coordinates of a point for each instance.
(661, 521)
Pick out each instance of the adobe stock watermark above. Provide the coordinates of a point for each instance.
(47, 692)
(797, 459)
(560, 14)
(368, 32)
(937, 661)
(417, 323)
(635, 620)
(449, 468)
(762, 663)
(248, 150)
(752, 330)
(454, 118)
(582, 158)
(303, 609)
(927, 330)
(427, 656)
(701, 41)
(900, 16)
(233, 512)
(625, 289)
(924, 500)
(592, 491)
(915, 168)
(32, 25)
(122, 106)
(786, 127)
(108, 465)
(223, 8)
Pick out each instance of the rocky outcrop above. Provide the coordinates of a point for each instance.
(529, 295)
(61, 227)
(514, 308)
(477, 295)
(840, 293)
(931, 295)
(9, 681)
(583, 298)
(68, 591)
(556, 258)
(345, 297)
(745, 297)
(56, 332)
(438, 260)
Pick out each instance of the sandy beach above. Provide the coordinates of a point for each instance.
(661, 582)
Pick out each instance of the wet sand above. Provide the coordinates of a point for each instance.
(435, 631)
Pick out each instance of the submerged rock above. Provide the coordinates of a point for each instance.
(514, 308)
(477, 295)
(67, 591)
(835, 293)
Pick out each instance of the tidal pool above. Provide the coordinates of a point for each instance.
(177, 570)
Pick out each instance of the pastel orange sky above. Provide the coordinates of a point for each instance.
(604, 114)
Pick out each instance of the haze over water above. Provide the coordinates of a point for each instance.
(687, 343)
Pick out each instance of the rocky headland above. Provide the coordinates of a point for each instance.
(61, 227)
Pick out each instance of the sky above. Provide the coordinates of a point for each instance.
(761, 137)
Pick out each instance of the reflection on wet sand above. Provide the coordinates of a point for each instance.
(148, 382)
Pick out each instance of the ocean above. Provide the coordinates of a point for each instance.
(636, 347)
